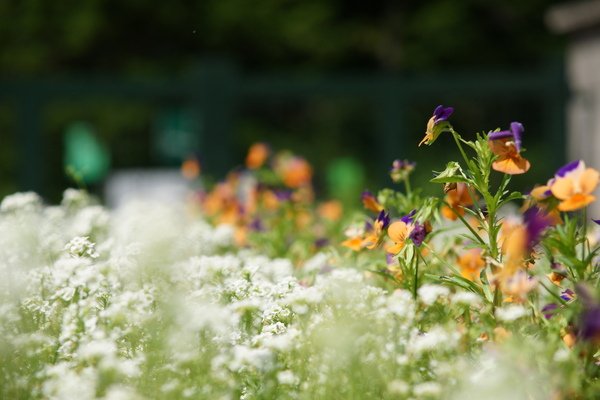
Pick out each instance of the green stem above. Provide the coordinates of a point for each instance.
(407, 186)
(462, 151)
(557, 297)
(481, 241)
(584, 241)
(416, 275)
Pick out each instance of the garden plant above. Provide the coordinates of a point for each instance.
(252, 289)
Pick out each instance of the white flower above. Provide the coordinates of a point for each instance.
(398, 387)
(467, 298)
(23, 201)
(80, 246)
(430, 293)
(287, 377)
(427, 389)
(436, 338)
(510, 313)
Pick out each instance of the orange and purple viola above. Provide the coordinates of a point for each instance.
(506, 145)
(573, 185)
(403, 230)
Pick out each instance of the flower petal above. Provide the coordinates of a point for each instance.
(576, 202)
(512, 165)
(562, 188)
(589, 180)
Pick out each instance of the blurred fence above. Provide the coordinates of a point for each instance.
(216, 92)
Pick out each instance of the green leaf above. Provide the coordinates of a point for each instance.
(452, 174)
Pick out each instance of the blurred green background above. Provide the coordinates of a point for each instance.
(144, 84)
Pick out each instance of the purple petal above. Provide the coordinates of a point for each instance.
(407, 219)
(567, 295)
(499, 135)
(442, 113)
(590, 323)
(389, 259)
(567, 168)
(517, 130)
(384, 218)
(535, 221)
(597, 221)
(548, 310)
(418, 234)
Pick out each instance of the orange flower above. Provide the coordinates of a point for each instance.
(457, 199)
(507, 146)
(471, 263)
(294, 171)
(257, 155)
(573, 185)
(330, 210)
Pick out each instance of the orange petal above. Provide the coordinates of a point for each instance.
(512, 165)
(562, 188)
(589, 180)
(500, 148)
(398, 231)
(354, 243)
(576, 202)
(395, 249)
(449, 214)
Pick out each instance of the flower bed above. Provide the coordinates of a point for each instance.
(252, 291)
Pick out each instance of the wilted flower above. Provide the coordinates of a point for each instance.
(507, 146)
(437, 124)
(573, 185)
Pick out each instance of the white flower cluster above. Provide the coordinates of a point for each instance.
(147, 302)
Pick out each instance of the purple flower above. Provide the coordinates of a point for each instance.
(283, 195)
(516, 131)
